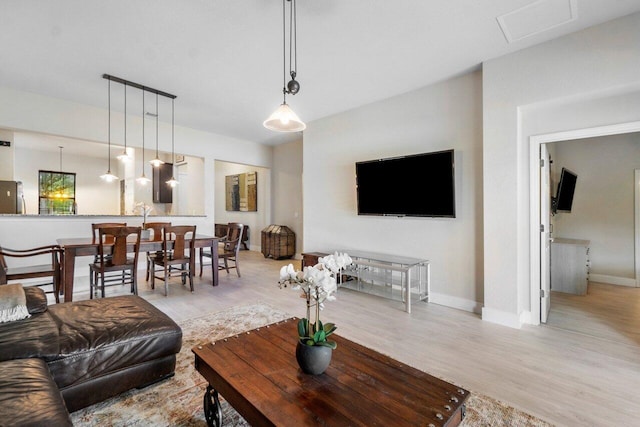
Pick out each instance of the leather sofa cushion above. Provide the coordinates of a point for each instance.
(101, 336)
(36, 299)
(36, 336)
(29, 396)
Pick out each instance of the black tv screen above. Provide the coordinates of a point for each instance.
(416, 185)
(566, 189)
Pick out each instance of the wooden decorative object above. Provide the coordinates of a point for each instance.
(278, 242)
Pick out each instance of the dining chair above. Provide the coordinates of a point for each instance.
(157, 233)
(177, 257)
(52, 269)
(113, 256)
(95, 235)
(230, 247)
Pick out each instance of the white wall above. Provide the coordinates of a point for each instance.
(439, 117)
(287, 189)
(585, 79)
(603, 204)
(93, 195)
(6, 156)
(256, 221)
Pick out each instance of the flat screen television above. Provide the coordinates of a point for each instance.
(416, 185)
(566, 189)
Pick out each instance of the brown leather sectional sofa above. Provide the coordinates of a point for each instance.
(79, 353)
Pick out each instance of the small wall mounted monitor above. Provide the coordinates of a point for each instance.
(415, 185)
(566, 190)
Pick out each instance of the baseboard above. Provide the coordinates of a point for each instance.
(455, 302)
(503, 318)
(612, 280)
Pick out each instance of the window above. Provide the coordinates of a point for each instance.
(56, 193)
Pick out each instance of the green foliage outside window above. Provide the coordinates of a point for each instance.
(56, 193)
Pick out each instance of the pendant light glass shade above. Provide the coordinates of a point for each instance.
(109, 177)
(156, 162)
(284, 120)
(124, 157)
(142, 179)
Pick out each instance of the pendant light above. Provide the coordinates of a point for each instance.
(172, 182)
(284, 119)
(143, 180)
(124, 156)
(109, 177)
(156, 162)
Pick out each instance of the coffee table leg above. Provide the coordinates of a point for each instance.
(212, 410)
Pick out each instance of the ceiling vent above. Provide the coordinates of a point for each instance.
(537, 17)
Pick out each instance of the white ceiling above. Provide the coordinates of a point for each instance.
(223, 58)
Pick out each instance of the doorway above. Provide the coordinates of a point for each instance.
(538, 237)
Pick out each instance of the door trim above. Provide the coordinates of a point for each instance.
(534, 200)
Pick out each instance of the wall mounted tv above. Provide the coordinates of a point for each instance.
(415, 185)
(564, 196)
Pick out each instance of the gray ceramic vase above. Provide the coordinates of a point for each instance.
(313, 359)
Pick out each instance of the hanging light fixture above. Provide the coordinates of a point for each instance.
(172, 182)
(124, 156)
(156, 162)
(284, 119)
(109, 177)
(143, 180)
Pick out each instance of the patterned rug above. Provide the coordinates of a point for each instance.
(178, 401)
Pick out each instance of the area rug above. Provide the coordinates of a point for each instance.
(178, 401)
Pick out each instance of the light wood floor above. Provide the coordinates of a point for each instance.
(580, 370)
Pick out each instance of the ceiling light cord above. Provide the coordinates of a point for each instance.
(109, 149)
(284, 52)
(293, 86)
(157, 114)
(143, 120)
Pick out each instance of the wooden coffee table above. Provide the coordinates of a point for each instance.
(258, 375)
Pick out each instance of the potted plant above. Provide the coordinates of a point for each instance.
(318, 284)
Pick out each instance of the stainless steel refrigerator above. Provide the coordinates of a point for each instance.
(11, 197)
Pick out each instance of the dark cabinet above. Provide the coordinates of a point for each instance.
(162, 192)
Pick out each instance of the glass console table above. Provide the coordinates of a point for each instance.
(394, 277)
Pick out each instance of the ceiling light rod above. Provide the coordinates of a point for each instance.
(138, 86)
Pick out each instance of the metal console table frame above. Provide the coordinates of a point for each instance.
(388, 271)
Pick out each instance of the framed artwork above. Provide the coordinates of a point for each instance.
(241, 192)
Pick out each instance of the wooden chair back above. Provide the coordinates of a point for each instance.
(95, 227)
(53, 269)
(158, 228)
(183, 237)
(118, 237)
(234, 237)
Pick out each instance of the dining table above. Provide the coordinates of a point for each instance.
(88, 246)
